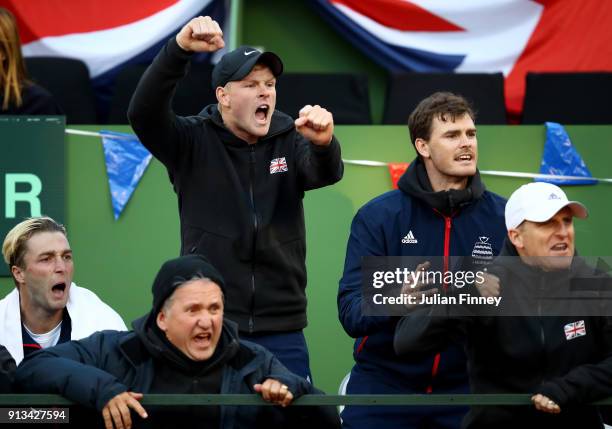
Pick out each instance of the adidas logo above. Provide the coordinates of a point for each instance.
(409, 238)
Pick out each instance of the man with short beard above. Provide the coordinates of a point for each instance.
(440, 209)
(46, 308)
(240, 169)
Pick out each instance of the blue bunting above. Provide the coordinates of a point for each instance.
(560, 158)
(126, 161)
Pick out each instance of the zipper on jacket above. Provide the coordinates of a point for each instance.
(255, 226)
(542, 337)
(542, 334)
(447, 230)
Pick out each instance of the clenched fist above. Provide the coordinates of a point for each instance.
(315, 124)
(201, 34)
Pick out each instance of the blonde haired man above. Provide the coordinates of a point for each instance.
(240, 169)
(46, 308)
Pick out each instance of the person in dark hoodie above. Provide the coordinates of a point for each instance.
(183, 345)
(441, 209)
(551, 339)
(240, 169)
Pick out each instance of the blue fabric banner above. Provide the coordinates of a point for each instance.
(126, 161)
(560, 158)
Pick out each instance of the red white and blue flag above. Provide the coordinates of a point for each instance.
(508, 36)
(574, 330)
(106, 35)
(278, 165)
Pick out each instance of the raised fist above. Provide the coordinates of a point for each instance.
(201, 34)
(315, 124)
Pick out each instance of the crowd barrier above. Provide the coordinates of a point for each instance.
(306, 400)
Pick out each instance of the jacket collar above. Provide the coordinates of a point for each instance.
(415, 183)
(246, 360)
(133, 349)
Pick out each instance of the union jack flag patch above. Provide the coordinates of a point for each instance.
(278, 165)
(574, 330)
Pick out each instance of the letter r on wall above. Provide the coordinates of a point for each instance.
(31, 196)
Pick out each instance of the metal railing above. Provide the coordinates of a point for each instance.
(306, 400)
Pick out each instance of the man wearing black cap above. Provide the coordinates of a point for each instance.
(240, 170)
(182, 345)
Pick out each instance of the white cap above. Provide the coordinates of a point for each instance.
(538, 202)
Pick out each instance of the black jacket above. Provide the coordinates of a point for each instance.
(526, 354)
(93, 370)
(36, 100)
(247, 220)
(7, 370)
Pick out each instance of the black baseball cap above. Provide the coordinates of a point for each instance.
(235, 65)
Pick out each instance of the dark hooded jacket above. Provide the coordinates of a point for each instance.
(536, 344)
(240, 205)
(446, 224)
(7, 370)
(92, 371)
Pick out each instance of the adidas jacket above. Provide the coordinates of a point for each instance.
(410, 222)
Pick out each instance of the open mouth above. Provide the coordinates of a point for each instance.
(559, 247)
(202, 338)
(465, 157)
(261, 113)
(58, 290)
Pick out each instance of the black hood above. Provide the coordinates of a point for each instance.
(508, 249)
(415, 183)
(156, 343)
(281, 123)
(178, 271)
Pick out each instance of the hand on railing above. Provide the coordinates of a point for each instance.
(274, 391)
(545, 404)
(116, 412)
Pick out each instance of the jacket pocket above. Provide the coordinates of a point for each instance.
(198, 240)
